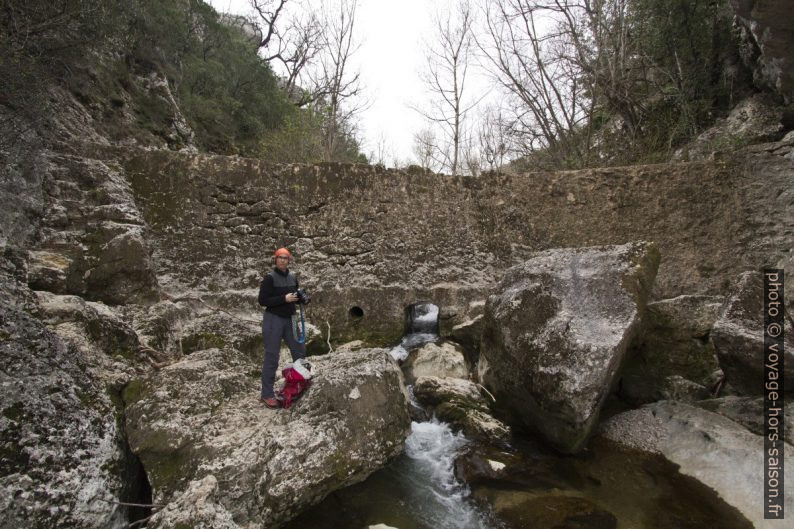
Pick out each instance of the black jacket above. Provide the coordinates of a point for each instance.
(272, 290)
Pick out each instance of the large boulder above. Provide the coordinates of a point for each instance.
(706, 446)
(459, 403)
(200, 417)
(739, 337)
(674, 358)
(556, 332)
(436, 360)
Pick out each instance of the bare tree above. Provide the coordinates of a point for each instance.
(446, 74)
(531, 47)
(382, 151)
(493, 138)
(339, 85)
(425, 148)
(293, 41)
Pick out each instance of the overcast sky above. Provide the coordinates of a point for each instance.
(391, 57)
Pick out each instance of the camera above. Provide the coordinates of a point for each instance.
(303, 297)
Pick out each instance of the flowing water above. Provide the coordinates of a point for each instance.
(603, 488)
(416, 491)
(422, 329)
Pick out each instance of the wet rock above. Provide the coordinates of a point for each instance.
(739, 337)
(484, 464)
(436, 360)
(557, 512)
(459, 403)
(556, 333)
(716, 451)
(199, 417)
(749, 412)
(673, 358)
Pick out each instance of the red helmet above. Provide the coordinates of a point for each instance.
(282, 252)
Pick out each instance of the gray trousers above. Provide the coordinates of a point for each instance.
(274, 328)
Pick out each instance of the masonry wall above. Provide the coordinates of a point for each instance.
(380, 240)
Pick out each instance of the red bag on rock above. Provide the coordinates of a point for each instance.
(297, 377)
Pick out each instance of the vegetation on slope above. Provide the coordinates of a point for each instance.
(112, 55)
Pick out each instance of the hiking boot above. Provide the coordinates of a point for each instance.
(272, 402)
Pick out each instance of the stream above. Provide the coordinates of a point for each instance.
(601, 488)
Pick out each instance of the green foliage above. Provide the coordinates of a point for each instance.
(689, 41)
(228, 94)
(301, 140)
(39, 42)
(687, 74)
(652, 75)
(101, 50)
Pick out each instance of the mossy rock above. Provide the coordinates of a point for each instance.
(133, 392)
(202, 341)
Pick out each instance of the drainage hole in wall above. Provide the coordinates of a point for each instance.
(356, 312)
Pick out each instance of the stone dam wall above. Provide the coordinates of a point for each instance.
(370, 242)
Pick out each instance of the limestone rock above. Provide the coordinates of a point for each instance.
(49, 270)
(749, 412)
(161, 326)
(60, 451)
(124, 272)
(437, 360)
(207, 329)
(459, 403)
(556, 332)
(99, 323)
(739, 337)
(673, 358)
(767, 28)
(197, 507)
(22, 195)
(709, 447)
(350, 346)
(754, 120)
(468, 334)
(200, 417)
(676, 387)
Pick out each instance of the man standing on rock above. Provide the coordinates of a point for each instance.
(278, 294)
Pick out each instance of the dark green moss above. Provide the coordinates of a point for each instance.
(14, 412)
(132, 392)
(201, 341)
